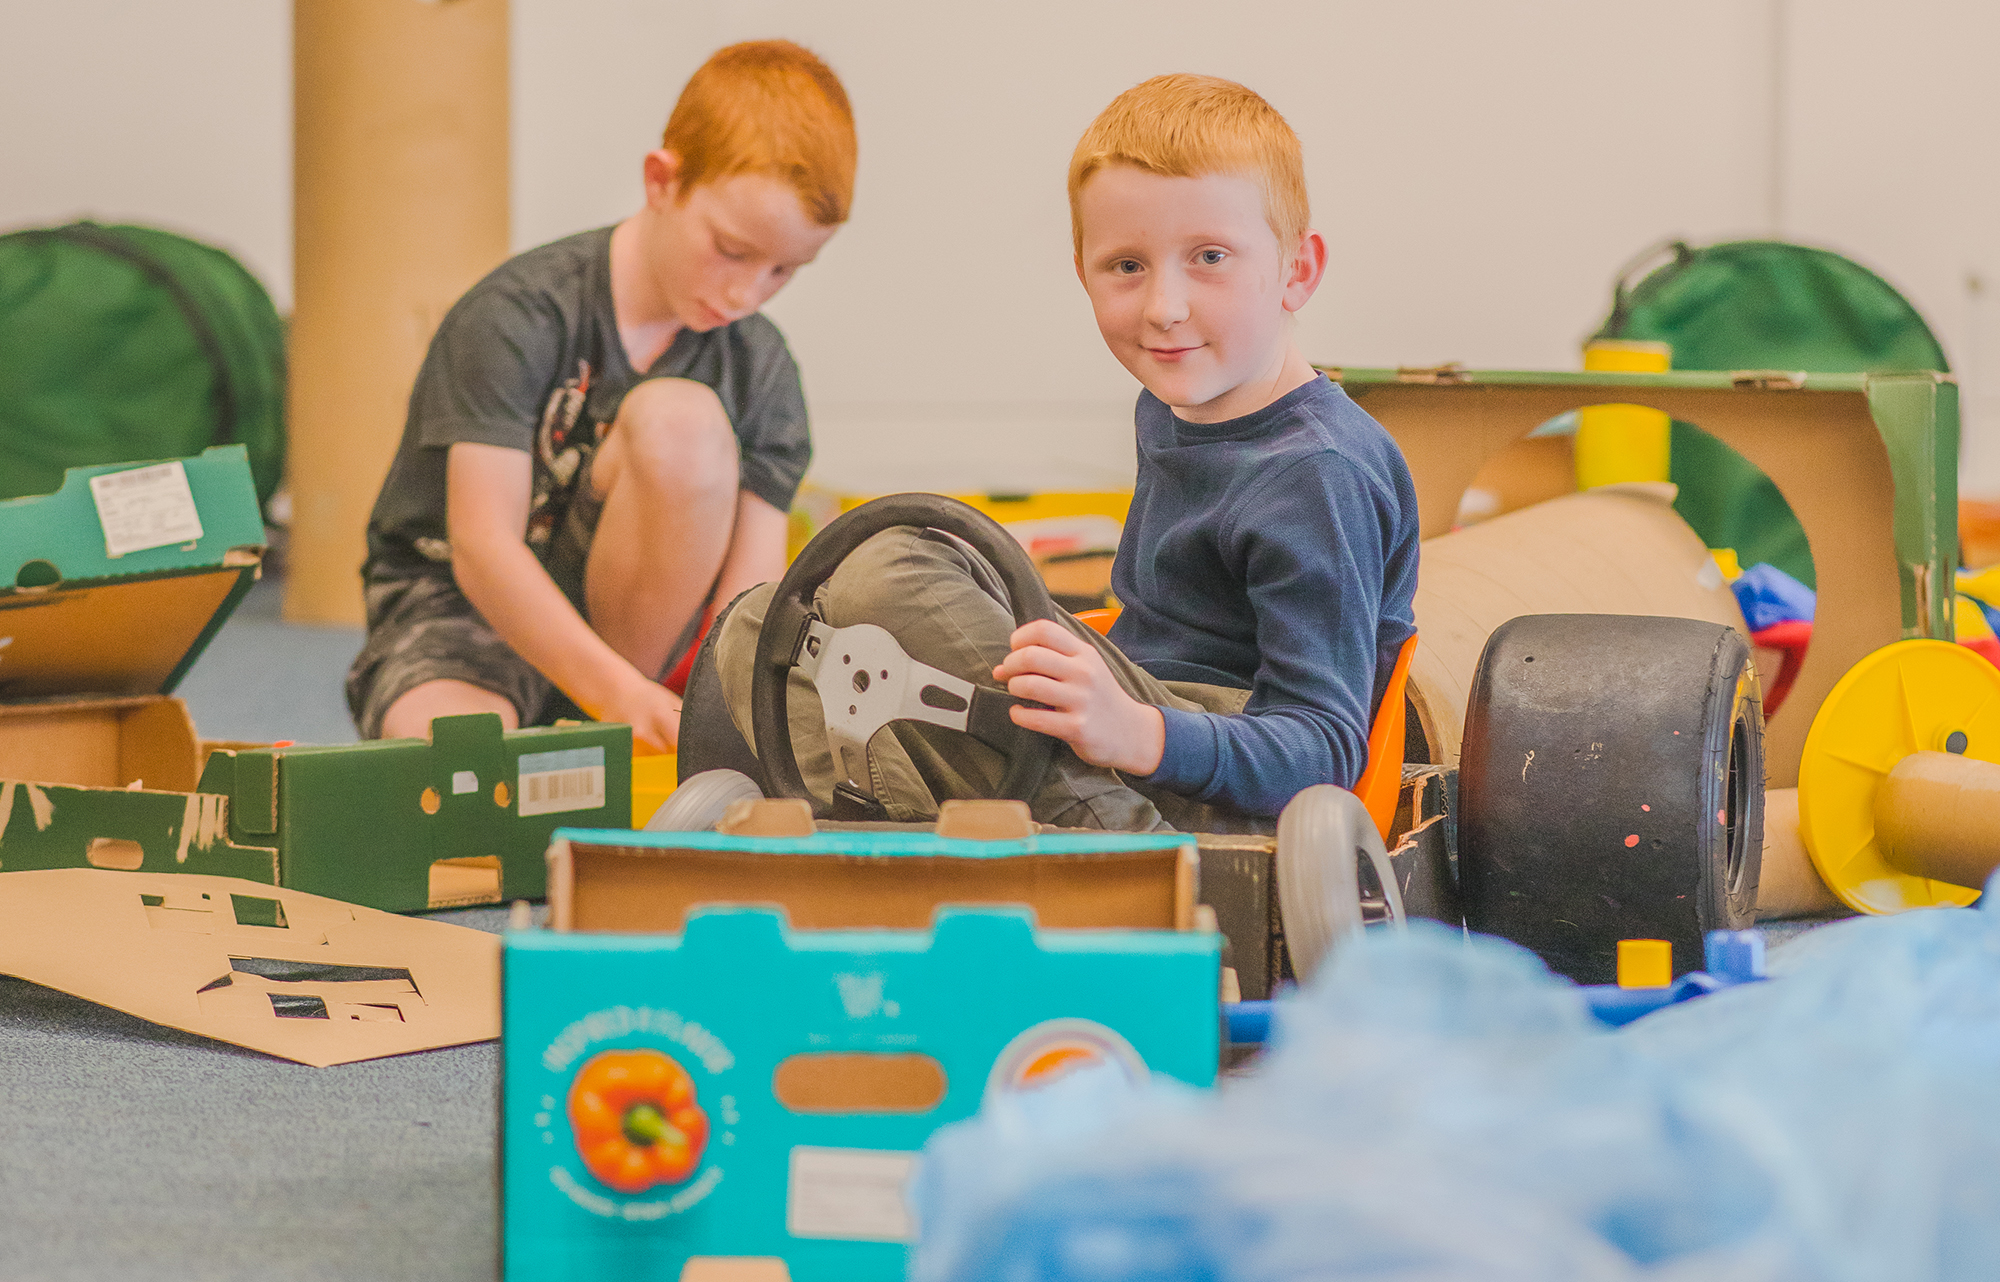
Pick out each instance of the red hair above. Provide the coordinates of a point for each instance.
(768, 107)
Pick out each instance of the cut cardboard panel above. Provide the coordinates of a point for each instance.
(1618, 549)
(612, 887)
(289, 974)
(463, 883)
(101, 743)
(854, 1082)
(47, 826)
(1868, 464)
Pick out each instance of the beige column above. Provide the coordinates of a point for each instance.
(400, 199)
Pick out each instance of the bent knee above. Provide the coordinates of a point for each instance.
(674, 431)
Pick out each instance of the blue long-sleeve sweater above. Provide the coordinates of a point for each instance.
(1275, 552)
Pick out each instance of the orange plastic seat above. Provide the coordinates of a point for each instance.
(1382, 779)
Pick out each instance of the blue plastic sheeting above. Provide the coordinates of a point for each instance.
(1434, 1109)
(1768, 595)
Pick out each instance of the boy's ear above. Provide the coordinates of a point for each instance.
(1308, 268)
(662, 170)
(1078, 261)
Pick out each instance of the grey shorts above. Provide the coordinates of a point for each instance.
(422, 628)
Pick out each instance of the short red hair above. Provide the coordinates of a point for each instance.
(1183, 126)
(768, 107)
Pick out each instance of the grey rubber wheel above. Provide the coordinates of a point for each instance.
(1323, 834)
(699, 804)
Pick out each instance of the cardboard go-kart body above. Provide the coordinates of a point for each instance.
(115, 583)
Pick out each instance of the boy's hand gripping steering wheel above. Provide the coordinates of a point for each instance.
(864, 678)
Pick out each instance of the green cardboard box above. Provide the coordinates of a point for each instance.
(115, 584)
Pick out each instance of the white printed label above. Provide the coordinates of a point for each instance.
(463, 781)
(854, 1194)
(553, 782)
(145, 507)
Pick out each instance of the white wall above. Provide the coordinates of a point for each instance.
(1481, 171)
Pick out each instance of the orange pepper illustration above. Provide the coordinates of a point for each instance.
(636, 1120)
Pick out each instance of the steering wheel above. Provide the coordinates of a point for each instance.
(795, 636)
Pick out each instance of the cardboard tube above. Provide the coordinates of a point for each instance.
(1937, 815)
(1789, 885)
(400, 194)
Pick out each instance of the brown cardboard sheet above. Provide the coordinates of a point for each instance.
(634, 888)
(110, 638)
(1619, 549)
(293, 975)
(1821, 449)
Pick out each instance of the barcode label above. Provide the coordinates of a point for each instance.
(553, 782)
(145, 507)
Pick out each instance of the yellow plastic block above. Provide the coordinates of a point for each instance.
(654, 777)
(1620, 443)
(1971, 620)
(1645, 963)
(1983, 586)
(1725, 561)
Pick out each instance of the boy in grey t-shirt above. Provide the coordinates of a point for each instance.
(605, 436)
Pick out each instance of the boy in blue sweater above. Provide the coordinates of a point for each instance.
(1270, 556)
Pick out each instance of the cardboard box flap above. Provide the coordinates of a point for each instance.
(91, 599)
(651, 882)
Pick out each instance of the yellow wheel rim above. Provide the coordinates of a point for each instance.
(1913, 696)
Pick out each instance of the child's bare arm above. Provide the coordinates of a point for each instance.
(1088, 709)
(486, 512)
(756, 548)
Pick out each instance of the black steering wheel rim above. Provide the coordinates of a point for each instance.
(791, 610)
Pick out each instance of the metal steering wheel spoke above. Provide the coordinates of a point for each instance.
(864, 678)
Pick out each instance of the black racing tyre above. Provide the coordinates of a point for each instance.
(699, 803)
(1611, 786)
(1028, 754)
(1323, 835)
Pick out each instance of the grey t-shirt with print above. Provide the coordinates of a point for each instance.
(530, 359)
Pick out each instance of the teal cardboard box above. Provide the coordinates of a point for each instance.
(742, 1089)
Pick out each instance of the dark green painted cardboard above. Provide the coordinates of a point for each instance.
(53, 826)
(364, 822)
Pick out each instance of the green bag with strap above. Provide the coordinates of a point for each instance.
(122, 344)
(1760, 304)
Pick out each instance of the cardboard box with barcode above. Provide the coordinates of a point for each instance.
(119, 580)
(112, 587)
(727, 1050)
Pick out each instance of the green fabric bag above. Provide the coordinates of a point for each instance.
(1760, 304)
(123, 344)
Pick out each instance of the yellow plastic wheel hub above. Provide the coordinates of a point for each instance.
(1913, 696)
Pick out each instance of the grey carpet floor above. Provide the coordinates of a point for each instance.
(262, 679)
(131, 1151)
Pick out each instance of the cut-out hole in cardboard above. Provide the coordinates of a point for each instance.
(297, 1006)
(735, 1268)
(38, 574)
(841, 1082)
(116, 853)
(298, 972)
(459, 883)
(252, 910)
